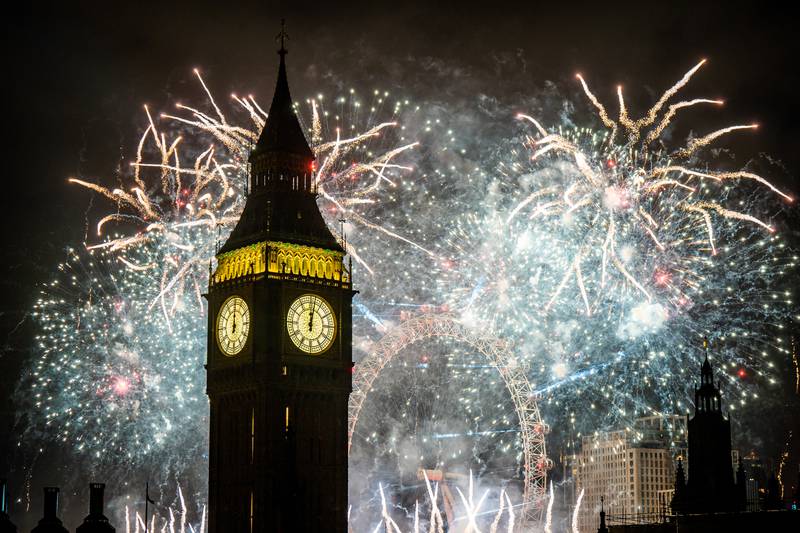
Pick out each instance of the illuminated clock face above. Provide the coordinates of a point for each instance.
(233, 325)
(311, 324)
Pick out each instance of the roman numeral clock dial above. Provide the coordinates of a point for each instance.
(233, 325)
(311, 324)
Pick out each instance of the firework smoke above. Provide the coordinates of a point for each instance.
(604, 255)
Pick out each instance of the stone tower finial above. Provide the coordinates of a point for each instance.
(282, 37)
(706, 364)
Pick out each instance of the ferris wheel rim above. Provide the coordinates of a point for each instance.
(500, 354)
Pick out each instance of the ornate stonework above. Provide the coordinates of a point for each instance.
(281, 258)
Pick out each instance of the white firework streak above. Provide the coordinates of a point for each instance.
(167, 524)
(576, 512)
(436, 522)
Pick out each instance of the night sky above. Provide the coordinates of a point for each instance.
(78, 74)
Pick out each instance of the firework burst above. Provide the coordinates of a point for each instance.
(604, 256)
(119, 376)
(608, 256)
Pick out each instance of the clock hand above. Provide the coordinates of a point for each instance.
(311, 317)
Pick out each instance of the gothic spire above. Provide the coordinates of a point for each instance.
(282, 132)
(707, 397)
(706, 374)
(678, 503)
(281, 203)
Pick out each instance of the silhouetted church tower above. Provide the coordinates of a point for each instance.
(279, 348)
(711, 486)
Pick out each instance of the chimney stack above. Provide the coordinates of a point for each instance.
(96, 522)
(50, 522)
(50, 502)
(96, 498)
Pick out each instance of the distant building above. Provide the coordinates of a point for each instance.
(756, 480)
(773, 499)
(566, 495)
(664, 430)
(711, 486)
(708, 496)
(631, 469)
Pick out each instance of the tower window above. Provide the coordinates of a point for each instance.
(286, 419)
(252, 508)
(252, 435)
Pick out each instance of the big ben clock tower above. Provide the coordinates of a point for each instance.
(279, 348)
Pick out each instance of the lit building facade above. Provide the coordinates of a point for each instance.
(631, 469)
(756, 480)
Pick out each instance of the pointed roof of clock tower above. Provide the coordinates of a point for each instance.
(281, 204)
(282, 131)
